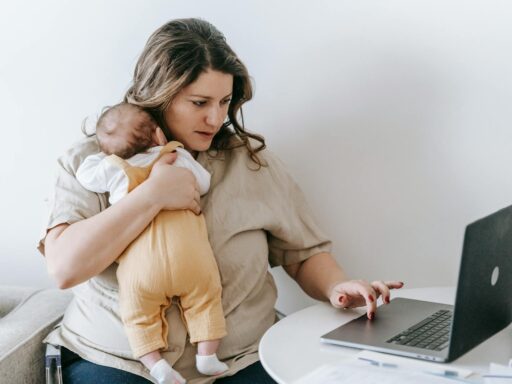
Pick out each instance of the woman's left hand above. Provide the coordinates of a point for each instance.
(357, 293)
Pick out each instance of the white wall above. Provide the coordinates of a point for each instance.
(393, 116)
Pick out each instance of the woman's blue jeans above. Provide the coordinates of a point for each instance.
(79, 371)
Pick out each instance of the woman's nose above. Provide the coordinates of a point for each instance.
(215, 116)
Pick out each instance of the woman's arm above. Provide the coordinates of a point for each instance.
(76, 252)
(322, 278)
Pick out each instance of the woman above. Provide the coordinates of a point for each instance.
(194, 85)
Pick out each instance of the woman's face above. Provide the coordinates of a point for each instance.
(199, 110)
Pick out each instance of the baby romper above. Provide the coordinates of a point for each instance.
(170, 258)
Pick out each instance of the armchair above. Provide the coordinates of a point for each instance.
(26, 316)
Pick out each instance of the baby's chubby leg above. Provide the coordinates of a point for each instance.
(207, 362)
(160, 369)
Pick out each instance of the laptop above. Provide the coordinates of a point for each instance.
(440, 332)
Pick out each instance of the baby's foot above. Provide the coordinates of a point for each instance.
(164, 373)
(210, 365)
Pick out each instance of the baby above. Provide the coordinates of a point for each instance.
(171, 257)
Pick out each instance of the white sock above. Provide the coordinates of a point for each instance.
(210, 365)
(164, 373)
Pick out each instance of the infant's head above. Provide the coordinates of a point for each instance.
(125, 130)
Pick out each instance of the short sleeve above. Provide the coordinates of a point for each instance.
(69, 201)
(294, 234)
(91, 173)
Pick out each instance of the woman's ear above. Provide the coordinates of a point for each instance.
(159, 137)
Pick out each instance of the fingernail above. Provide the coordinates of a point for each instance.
(341, 299)
(371, 298)
(387, 299)
(402, 283)
(372, 315)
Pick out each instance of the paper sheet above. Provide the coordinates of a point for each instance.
(366, 374)
(499, 370)
(414, 364)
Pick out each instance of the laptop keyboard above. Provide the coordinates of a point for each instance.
(431, 333)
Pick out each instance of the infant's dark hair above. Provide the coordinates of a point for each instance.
(114, 121)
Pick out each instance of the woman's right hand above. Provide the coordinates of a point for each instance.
(173, 188)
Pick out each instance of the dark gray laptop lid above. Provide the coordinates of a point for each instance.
(483, 304)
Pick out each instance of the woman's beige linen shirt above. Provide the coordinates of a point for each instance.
(254, 218)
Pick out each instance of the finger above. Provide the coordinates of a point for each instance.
(381, 288)
(196, 208)
(336, 301)
(360, 293)
(197, 202)
(339, 301)
(370, 297)
(394, 284)
(344, 301)
(168, 158)
(354, 290)
(197, 195)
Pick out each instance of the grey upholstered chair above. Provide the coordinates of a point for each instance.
(26, 316)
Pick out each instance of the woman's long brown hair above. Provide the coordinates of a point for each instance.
(174, 57)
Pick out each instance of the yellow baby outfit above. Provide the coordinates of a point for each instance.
(170, 258)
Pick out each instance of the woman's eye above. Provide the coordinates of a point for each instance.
(227, 101)
(199, 103)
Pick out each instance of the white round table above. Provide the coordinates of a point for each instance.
(291, 348)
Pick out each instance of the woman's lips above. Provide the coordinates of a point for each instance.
(205, 134)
